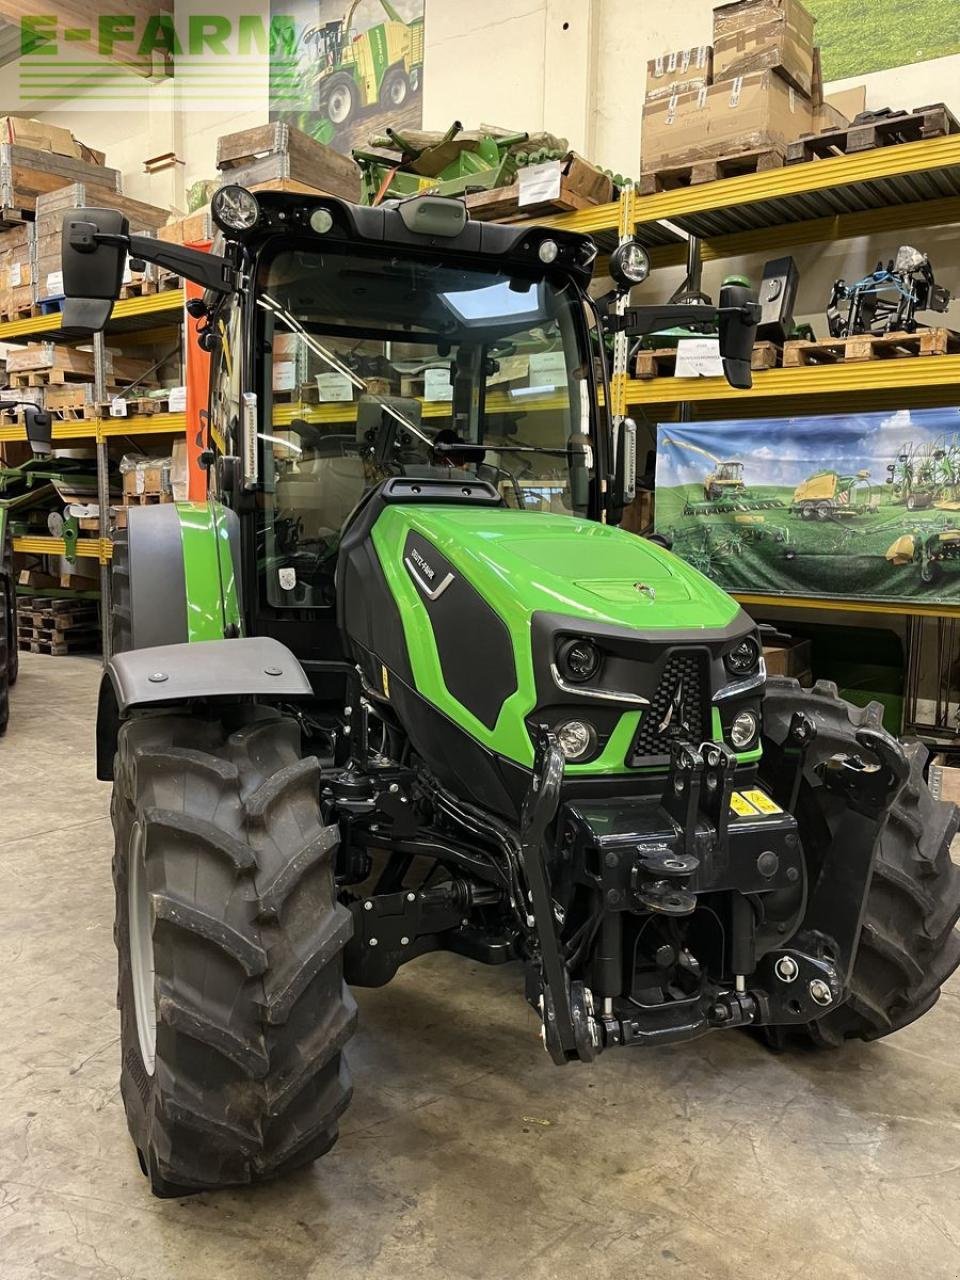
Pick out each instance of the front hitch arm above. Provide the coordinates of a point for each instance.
(569, 1031)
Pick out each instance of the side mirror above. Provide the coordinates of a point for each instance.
(92, 266)
(739, 314)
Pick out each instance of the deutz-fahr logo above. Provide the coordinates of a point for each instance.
(675, 719)
(428, 571)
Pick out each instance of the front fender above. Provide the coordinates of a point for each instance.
(175, 674)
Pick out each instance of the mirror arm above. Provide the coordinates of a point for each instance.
(638, 321)
(207, 269)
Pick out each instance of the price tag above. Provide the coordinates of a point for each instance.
(437, 384)
(538, 182)
(334, 386)
(118, 407)
(699, 358)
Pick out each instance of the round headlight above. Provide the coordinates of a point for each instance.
(629, 264)
(321, 221)
(577, 739)
(234, 208)
(743, 730)
(578, 660)
(743, 657)
(548, 251)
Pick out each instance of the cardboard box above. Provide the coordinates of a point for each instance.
(762, 35)
(944, 779)
(849, 102)
(38, 136)
(756, 113)
(195, 228)
(638, 516)
(679, 72)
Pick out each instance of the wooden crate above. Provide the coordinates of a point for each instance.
(277, 151)
(51, 207)
(864, 346)
(26, 174)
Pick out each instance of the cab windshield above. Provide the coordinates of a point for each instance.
(391, 366)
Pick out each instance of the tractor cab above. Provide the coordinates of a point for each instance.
(729, 473)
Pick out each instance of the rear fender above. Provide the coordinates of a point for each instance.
(175, 675)
(182, 562)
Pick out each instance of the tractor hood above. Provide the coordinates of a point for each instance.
(526, 562)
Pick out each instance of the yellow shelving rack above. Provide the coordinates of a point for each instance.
(133, 320)
(886, 189)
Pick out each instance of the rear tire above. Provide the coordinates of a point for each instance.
(233, 1009)
(909, 944)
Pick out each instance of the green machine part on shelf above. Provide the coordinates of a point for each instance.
(402, 685)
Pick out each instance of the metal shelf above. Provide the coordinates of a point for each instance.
(825, 603)
(128, 316)
(911, 373)
(98, 429)
(91, 548)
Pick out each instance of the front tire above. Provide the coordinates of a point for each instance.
(233, 1009)
(909, 944)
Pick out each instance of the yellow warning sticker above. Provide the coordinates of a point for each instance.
(742, 807)
(761, 801)
(385, 680)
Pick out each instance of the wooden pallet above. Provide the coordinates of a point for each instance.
(47, 378)
(700, 171)
(60, 648)
(662, 362)
(19, 311)
(137, 406)
(14, 217)
(884, 131)
(139, 287)
(865, 346)
(146, 499)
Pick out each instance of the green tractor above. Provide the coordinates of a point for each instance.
(400, 685)
(354, 70)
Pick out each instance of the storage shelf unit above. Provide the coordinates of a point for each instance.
(886, 189)
(134, 321)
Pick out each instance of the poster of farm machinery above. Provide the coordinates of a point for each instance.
(848, 506)
(356, 68)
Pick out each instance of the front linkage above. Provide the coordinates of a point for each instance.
(789, 925)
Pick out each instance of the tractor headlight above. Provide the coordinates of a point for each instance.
(743, 730)
(234, 208)
(578, 660)
(743, 657)
(548, 251)
(577, 739)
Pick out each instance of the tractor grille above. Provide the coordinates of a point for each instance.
(685, 717)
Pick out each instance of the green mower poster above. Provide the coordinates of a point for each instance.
(845, 506)
(356, 67)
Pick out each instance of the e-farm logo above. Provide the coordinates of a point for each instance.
(217, 60)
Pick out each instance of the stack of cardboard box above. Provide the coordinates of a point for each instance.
(756, 90)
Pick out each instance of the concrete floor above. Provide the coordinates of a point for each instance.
(465, 1152)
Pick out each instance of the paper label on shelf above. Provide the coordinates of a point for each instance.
(334, 386)
(437, 384)
(55, 282)
(699, 358)
(548, 369)
(538, 182)
(285, 375)
(118, 407)
(16, 274)
(177, 399)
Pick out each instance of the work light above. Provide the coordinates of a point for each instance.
(234, 208)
